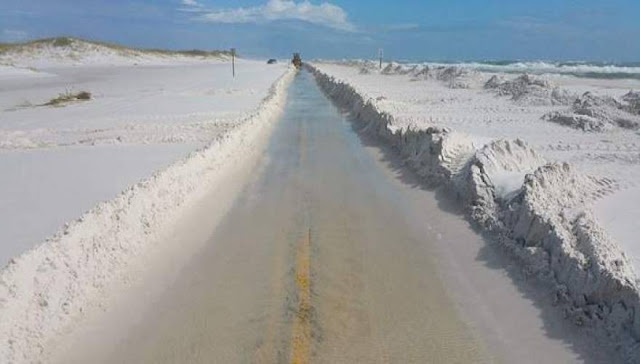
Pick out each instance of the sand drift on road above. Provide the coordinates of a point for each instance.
(470, 132)
(329, 255)
(294, 237)
(49, 290)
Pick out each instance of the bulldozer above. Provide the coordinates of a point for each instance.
(297, 61)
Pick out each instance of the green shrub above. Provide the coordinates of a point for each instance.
(61, 42)
(68, 96)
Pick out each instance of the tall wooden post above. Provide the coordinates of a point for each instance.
(233, 62)
(380, 52)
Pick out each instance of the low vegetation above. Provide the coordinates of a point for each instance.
(62, 42)
(68, 97)
(192, 52)
(68, 41)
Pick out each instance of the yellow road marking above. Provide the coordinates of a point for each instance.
(301, 330)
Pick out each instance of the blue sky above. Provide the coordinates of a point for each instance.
(409, 30)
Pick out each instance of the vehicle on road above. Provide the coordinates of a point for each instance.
(297, 61)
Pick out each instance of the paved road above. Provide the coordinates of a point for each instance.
(331, 257)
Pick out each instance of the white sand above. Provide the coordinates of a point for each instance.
(614, 154)
(42, 189)
(67, 52)
(58, 162)
(619, 214)
(480, 140)
(140, 120)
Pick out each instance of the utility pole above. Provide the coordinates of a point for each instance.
(233, 62)
(380, 53)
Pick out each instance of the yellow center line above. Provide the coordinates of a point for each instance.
(301, 330)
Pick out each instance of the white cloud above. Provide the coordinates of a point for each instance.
(402, 27)
(13, 35)
(324, 14)
(191, 6)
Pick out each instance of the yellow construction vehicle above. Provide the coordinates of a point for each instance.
(297, 61)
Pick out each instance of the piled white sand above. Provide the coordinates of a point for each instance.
(452, 76)
(150, 113)
(591, 112)
(45, 290)
(60, 161)
(529, 90)
(537, 205)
